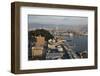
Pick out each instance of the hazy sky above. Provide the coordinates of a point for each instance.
(37, 21)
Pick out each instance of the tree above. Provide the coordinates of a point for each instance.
(43, 33)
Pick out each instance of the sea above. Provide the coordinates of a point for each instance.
(78, 43)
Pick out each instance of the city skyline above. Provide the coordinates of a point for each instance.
(51, 22)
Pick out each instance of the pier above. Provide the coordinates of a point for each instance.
(61, 52)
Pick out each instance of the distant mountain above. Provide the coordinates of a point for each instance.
(83, 28)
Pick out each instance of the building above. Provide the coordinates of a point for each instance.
(40, 41)
(37, 50)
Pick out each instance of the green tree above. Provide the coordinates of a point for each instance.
(43, 33)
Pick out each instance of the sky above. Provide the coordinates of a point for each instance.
(62, 22)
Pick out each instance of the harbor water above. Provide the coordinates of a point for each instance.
(78, 43)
